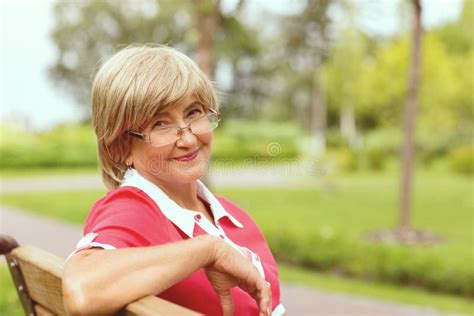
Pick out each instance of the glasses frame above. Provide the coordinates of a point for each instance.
(143, 136)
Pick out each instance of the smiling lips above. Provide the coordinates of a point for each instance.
(188, 157)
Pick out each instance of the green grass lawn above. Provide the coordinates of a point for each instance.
(9, 302)
(358, 204)
(353, 204)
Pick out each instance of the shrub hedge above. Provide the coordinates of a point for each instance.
(325, 250)
(462, 159)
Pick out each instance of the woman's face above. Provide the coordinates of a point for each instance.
(182, 161)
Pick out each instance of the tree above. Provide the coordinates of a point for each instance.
(458, 35)
(208, 23)
(410, 120)
(87, 32)
(343, 79)
(299, 49)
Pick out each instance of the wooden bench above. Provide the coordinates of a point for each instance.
(37, 277)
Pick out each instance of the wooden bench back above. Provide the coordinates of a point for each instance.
(37, 277)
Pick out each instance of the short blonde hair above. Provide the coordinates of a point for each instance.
(130, 88)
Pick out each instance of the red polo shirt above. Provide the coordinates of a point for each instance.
(128, 217)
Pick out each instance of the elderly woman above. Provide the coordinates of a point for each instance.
(164, 233)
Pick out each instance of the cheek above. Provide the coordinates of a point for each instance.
(148, 156)
(206, 139)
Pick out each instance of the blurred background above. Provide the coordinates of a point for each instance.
(346, 132)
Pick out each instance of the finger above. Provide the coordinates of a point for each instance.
(265, 297)
(270, 297)
(227, 303)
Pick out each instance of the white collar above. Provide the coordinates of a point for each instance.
(181, 217)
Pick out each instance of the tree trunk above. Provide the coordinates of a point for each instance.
(347, 124)
(318, 116)
(208, 22)
(407, 154)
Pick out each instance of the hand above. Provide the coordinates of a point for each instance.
(228, 269)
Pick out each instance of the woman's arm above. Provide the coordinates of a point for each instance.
(101, 282)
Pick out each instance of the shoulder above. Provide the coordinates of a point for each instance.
(127, 196)
(123, 204)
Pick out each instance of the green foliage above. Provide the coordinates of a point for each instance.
(334, 282)
(342, 71)
(462, 159)
(243, 140)
(376, 158)
(327, 250)
(376, 78)
(334, 139)
(87, 33)
(9, 302)
(379, 146)
(65, 146)
(457, 35)
(288, 67)
(340, 160)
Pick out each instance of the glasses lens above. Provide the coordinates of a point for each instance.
(205, 124)
(167, 135)
(163, 136)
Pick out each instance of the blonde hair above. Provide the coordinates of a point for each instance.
(130, 88)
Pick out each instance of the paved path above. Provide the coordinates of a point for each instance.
(60, 238)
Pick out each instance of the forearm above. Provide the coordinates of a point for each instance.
(104, 281)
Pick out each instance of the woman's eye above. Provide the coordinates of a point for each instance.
(159, 124)
(195, 112)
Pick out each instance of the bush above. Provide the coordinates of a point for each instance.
(244, 140)
(341, 160)
(387, 141)
(334, 139)
(376, 158)
(326, 250)
(462, 159)
(71, 146)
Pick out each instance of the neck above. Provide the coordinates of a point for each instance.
(184, 194)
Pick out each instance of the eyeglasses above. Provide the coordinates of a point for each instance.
(161, 136)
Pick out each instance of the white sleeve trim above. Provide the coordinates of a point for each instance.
(86, 242)
(92, 245)
(279, 310)
(257, 264)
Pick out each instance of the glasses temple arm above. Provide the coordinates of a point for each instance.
(136, 135)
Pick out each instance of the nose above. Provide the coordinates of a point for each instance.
(186, 138)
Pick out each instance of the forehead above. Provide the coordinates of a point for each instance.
(179, 107)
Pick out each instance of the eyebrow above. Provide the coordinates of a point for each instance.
(195, 103)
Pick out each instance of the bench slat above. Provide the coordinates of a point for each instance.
(41, 311)
(42, 274)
